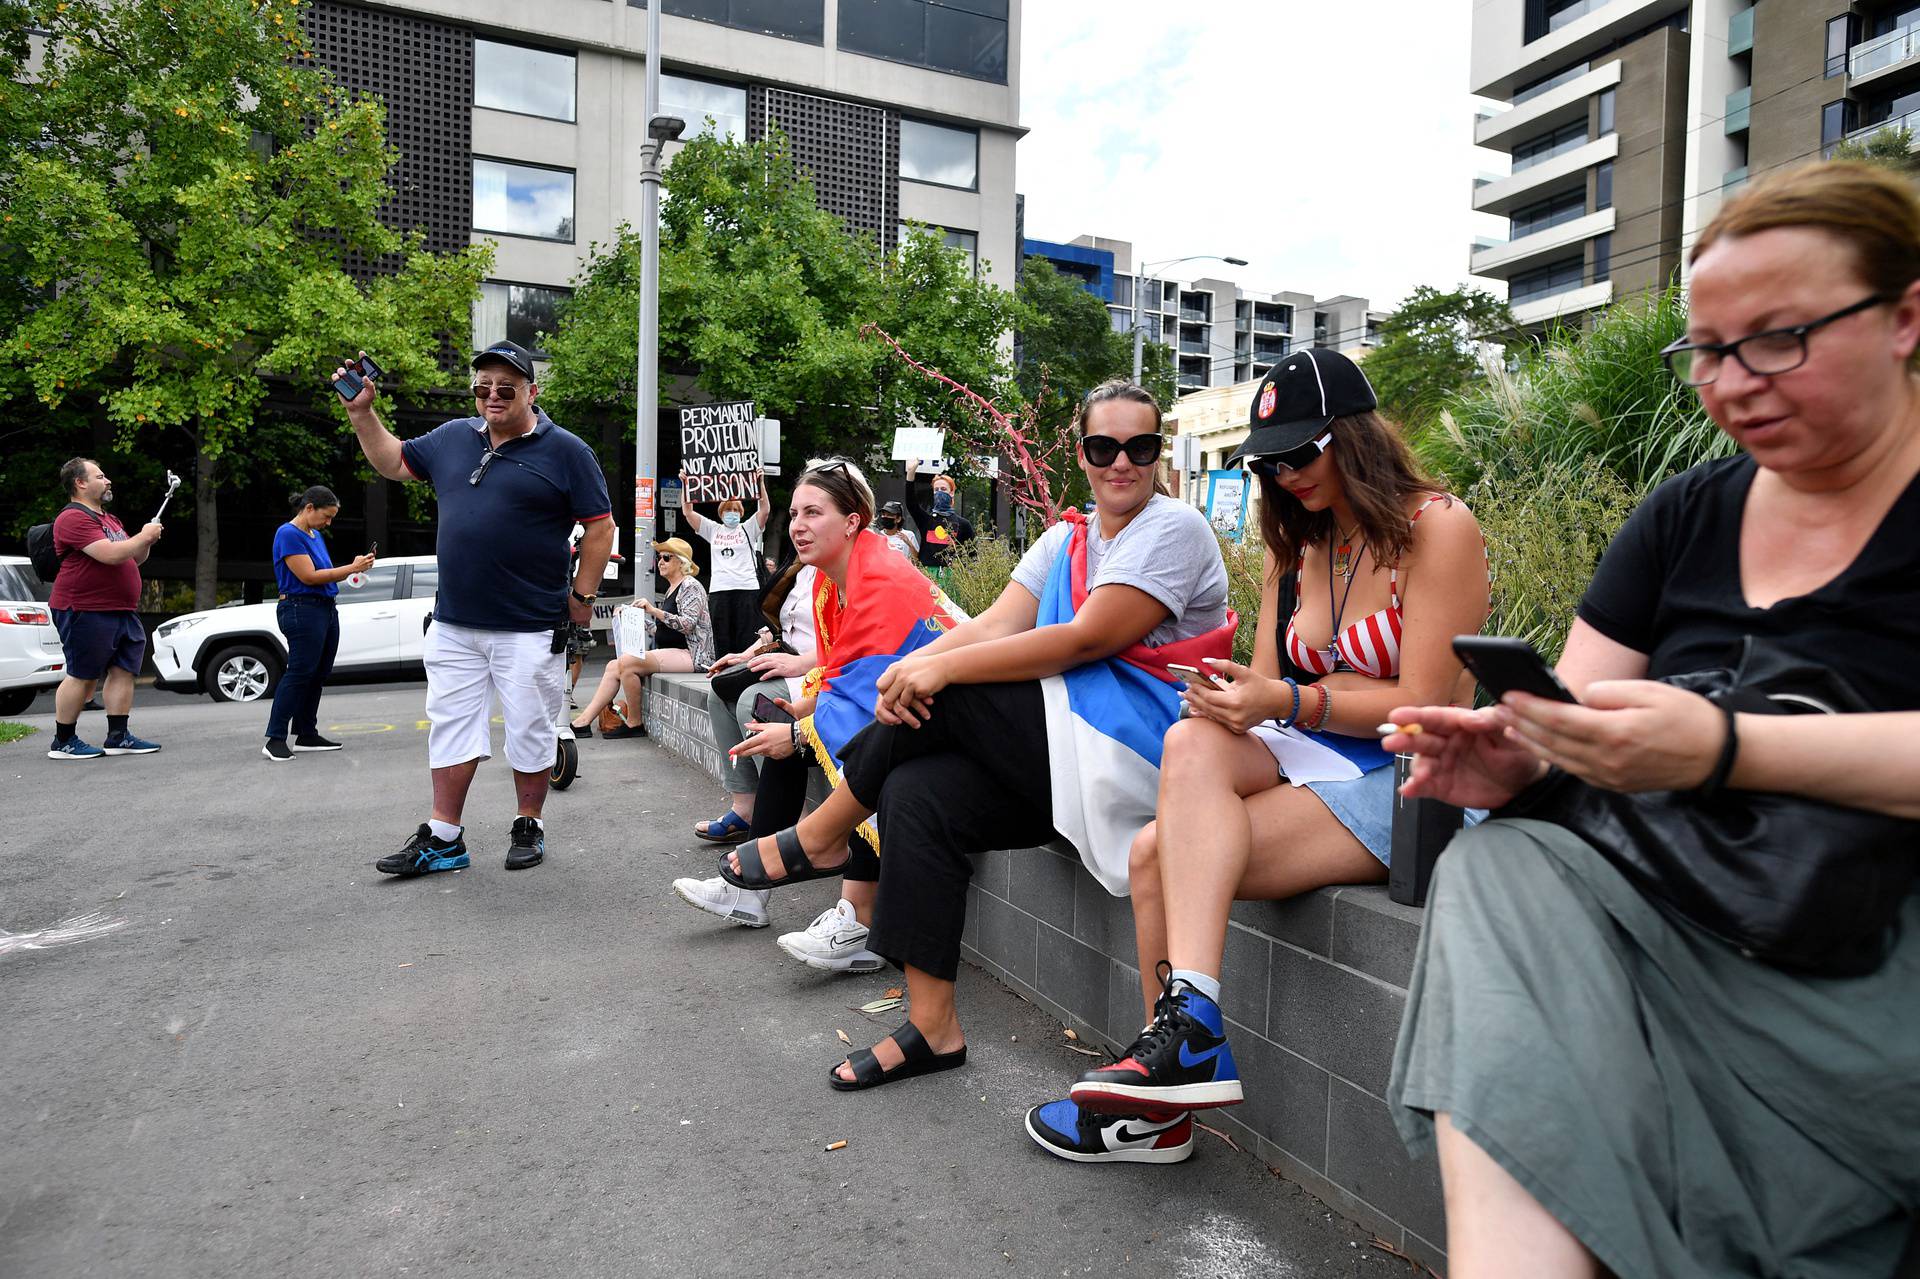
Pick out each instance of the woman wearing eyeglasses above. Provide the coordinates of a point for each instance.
(679, 635)
(1276, 783)
(1635, 1054)
(1042, 716)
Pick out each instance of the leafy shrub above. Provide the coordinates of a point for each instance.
(1246, 571)
(977, 571)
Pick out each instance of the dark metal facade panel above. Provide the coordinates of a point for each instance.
(851, 152)
(423, 72)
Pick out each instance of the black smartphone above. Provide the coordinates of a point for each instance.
(765, 711)
(1504, 665)
(357, 372)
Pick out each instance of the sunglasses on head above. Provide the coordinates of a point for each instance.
(501, 390)
(1298, 459)
(1104, 450)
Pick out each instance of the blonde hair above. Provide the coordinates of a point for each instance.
(1871, 210)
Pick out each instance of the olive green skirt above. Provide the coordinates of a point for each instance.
(1682, 1110)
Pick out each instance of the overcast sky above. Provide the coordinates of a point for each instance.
(1328, 144)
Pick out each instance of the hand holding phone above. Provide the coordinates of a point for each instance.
(1193, 674)
(767, 711)
(1504, 665)
(355, 374)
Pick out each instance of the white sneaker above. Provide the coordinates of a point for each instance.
(716, 896)
(835, 942)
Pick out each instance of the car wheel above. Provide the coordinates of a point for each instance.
(242, 673)
(15, 701)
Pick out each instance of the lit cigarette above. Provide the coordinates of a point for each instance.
(1388, 730)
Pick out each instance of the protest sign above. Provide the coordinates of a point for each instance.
(719, 451)
(925, 444)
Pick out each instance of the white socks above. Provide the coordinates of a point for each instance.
(1208, 986)
(446, 832)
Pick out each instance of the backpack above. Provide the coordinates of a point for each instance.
(40, 548)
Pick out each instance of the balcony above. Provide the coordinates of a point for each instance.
(1874, 58)
(1499, 67)
(1503, 261)
(1910, 122)
(1545, 178)
(1738, 109)
(1557, 106)
(1740, 33)
(1269, 324)
(1193, 346)
(1566, 305)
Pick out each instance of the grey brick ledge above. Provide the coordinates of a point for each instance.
(1314, 988)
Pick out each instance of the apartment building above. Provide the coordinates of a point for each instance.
(523, 124)
(1220, 334)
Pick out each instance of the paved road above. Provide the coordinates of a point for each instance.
(286, 1064)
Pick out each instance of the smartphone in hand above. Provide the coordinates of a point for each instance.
(357, 371)
(1194, 675)
(767, 711)
(1504, 665)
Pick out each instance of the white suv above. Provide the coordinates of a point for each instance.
(236, 653)
(30, 654)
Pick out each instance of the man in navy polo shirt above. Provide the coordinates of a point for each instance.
(511, 486)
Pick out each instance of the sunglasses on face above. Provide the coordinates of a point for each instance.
(494, 390)
(1104, 450)
(1297, 459)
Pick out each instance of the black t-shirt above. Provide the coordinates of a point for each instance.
(939, 533)
(665, 636)
(1669, 587)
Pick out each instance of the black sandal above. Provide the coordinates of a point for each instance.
(916, 1058)
(799, 870)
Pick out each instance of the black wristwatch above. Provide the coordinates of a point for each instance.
(584, 599)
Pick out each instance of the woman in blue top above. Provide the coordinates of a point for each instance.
(308, 582)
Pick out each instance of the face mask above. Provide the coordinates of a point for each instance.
(731, 519)
(942, 500)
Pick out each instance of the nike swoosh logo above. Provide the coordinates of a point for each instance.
(1124, 1133)
(1190, 1061)
(837, 941)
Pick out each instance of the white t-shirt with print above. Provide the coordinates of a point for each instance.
(734, 550)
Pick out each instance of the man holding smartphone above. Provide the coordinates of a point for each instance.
(511, 485)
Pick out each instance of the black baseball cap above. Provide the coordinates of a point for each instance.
(892, 508)
(1299, 398)
(511, 354)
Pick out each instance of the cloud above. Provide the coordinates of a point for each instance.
(1330, 145)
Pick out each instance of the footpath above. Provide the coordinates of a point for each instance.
(285, 1063)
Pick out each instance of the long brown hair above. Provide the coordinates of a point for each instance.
(1378, 473)
(844, 486)
(1131, 393)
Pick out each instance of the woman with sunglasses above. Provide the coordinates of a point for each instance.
(1276, 783)
(1617, 1078)
(1041, 717)
(679, 638)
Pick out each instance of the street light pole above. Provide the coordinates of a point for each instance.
(1148, 269)
(647, 414)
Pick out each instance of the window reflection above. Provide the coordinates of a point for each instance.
(509, 77)
(965, 37)
(935, 153)
(695, 100)
(518, 199)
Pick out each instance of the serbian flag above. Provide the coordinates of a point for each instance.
(891, 610)
(1105, 722)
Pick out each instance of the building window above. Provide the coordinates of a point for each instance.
(804, 20)
(1839, 33)
(1537, 87)
(521, 199)
(1602, 257)
(1606, 113)
(965, 243)
(1547, 145)
(964, 37)
(1833, 123)
(516, 312)
(1545, 16)
(695, 100)
(1555, 277)
(511, 77)
(940, 155)
(1603, 185)
(1549, 213)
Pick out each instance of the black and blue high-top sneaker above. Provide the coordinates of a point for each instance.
(1179, 1062)
(424, 853)
(527, 846)
(1063, 1129)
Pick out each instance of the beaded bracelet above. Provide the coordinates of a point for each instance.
(1293, 715)
(1326, 709)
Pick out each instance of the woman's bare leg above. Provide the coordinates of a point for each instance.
(1149, 910)
(1495, 1229)
(930, 1009)
(821, 831)
(602, 697)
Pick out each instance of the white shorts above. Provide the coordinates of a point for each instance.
(469, 672)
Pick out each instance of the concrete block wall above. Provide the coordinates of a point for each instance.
(1313, 989)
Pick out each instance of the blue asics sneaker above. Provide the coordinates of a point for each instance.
(528, 846)
(1062, 1128)
(1180, 1062)
(424, 853)
(128, 744)
(73, 748)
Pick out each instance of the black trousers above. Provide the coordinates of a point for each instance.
(736, 617)
(974, 777)
(777, 804)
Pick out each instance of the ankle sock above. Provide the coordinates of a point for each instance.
(1208, 986)
(64, 732)
(446, 832)
(537, 822)
(116, 725)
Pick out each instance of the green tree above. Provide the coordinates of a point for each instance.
(1068, 345)
(182, 191)
(1430, 349)
(1891, 148)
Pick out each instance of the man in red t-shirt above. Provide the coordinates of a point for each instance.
(96, 595)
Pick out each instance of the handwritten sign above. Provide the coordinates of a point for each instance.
(924, 443)
(720, 451)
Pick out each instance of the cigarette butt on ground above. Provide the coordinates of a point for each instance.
(1388, 730)
(838, 1145)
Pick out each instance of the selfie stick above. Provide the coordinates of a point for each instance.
(173, 482)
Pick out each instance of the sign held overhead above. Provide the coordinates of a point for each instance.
(720, 451)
